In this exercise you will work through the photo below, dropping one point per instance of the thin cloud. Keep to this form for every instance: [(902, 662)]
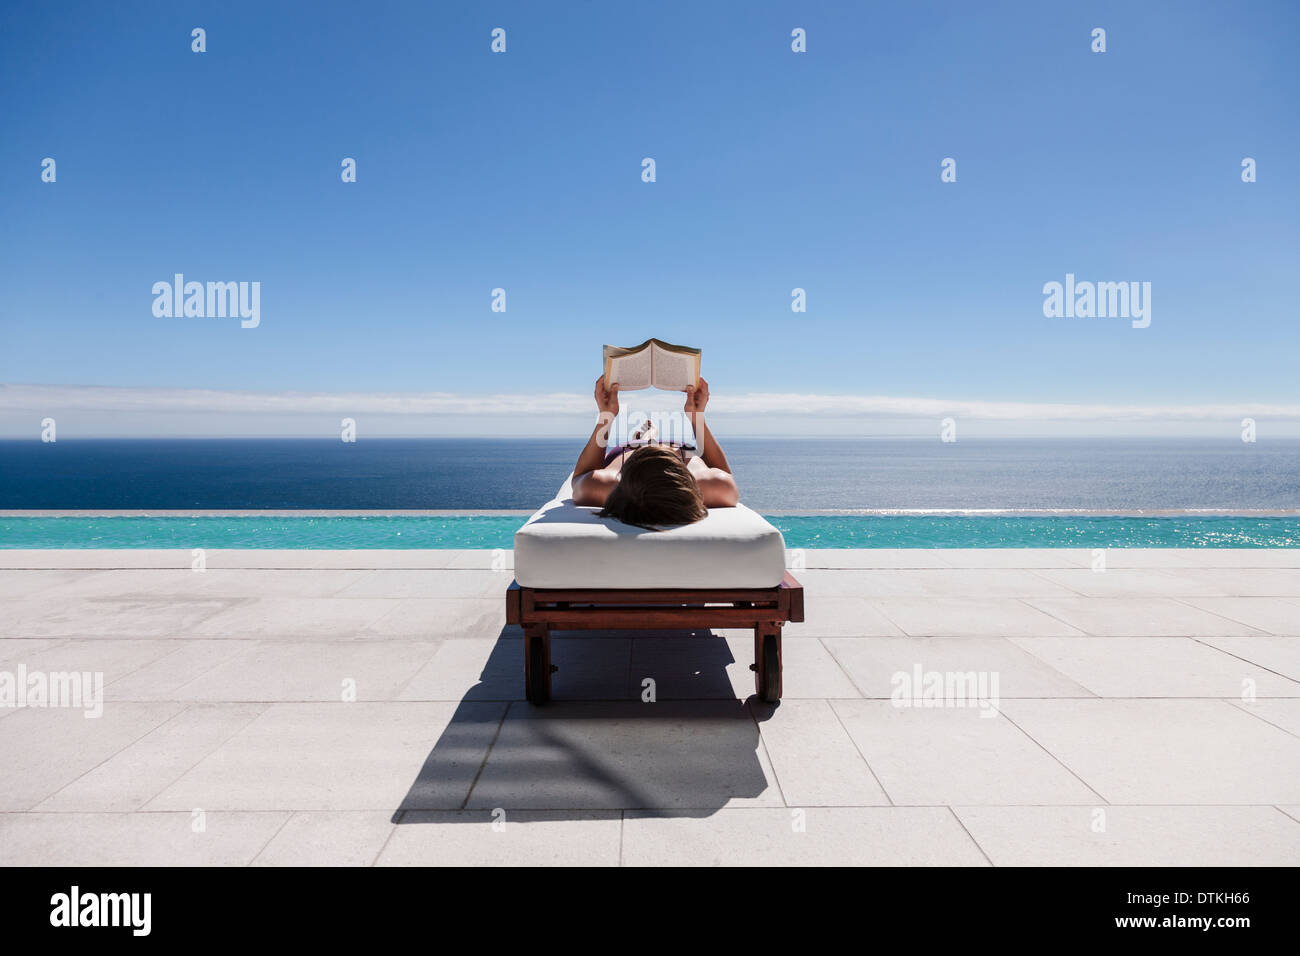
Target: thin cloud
[(45, 399)]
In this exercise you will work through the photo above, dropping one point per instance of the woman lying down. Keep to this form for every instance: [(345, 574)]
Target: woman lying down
[(654, 484)]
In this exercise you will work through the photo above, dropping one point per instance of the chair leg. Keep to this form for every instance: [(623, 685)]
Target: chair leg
[(537, 663), (767, 662)]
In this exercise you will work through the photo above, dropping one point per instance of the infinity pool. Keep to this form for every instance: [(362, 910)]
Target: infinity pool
[(490, 531)]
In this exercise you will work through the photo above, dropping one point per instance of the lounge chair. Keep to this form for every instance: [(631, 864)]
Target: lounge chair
[(577, 571)]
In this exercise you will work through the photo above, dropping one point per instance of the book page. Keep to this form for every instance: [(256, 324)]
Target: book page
[(631, 371), (675, 371)]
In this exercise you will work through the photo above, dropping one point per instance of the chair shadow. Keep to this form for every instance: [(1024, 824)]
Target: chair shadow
[(591, 516), (639, 720)]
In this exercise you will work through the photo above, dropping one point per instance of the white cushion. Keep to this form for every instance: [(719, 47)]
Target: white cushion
[(567, 546)]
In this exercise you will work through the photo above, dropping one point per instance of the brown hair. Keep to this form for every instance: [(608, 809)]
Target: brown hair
[(655, 488)]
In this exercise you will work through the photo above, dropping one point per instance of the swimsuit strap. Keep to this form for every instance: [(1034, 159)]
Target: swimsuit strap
[(617, 450)]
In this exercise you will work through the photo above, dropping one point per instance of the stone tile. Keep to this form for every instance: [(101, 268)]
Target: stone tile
[(374, 559), (20, 649), (470, 669), (1121, 582), (456, 618), (1134, 836), (113, 658), (940, 583), (949, 755), (702, 779), (1282, 713), (139, 584), (1166, 751), (1278, 654), (279, 583), (84, 558), (1154, 667), (970, 617), (408, 583), (814, 758), (135, 839), (594, 666), (156, 617), (1153, 558), (285, 671), (500, 560), (808, 670), (700, 667), (313, 619), (1015, 557), (178, 662), (864, 558), (127, 780), (686, 665), (874, 663), (1137, 617), (1246, 582), (20, 584), (848, 836), (527, 838), (1273, 615), (329, 838), (842, 617), (360, 756), (279, 558), (1239, 557), (43, 749), (698, 755)]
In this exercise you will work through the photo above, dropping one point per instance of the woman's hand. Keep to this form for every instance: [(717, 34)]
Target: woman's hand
[(697, 398), (607, 398)]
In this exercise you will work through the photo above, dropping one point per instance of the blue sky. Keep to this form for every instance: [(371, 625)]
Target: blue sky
[(775, 170)]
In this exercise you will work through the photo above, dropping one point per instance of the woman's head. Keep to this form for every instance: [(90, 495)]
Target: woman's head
[(655, 488)]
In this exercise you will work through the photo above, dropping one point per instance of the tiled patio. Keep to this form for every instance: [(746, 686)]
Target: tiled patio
[(1146, 714)]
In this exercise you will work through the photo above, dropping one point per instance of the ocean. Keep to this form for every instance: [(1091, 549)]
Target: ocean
[(776, 476)]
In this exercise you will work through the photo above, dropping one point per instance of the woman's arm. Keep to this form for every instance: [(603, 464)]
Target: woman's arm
[(591, 482), (714, 477), (696, 400)]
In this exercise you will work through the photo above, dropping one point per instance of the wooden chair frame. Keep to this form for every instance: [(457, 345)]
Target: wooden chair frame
[(542, 610)]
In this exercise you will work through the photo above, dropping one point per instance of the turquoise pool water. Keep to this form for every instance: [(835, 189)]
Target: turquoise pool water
[(801, 531)]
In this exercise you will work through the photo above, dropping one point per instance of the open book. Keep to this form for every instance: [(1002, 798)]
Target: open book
[(673, 368)]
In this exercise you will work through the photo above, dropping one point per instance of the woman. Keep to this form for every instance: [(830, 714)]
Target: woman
[(653, 485)]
